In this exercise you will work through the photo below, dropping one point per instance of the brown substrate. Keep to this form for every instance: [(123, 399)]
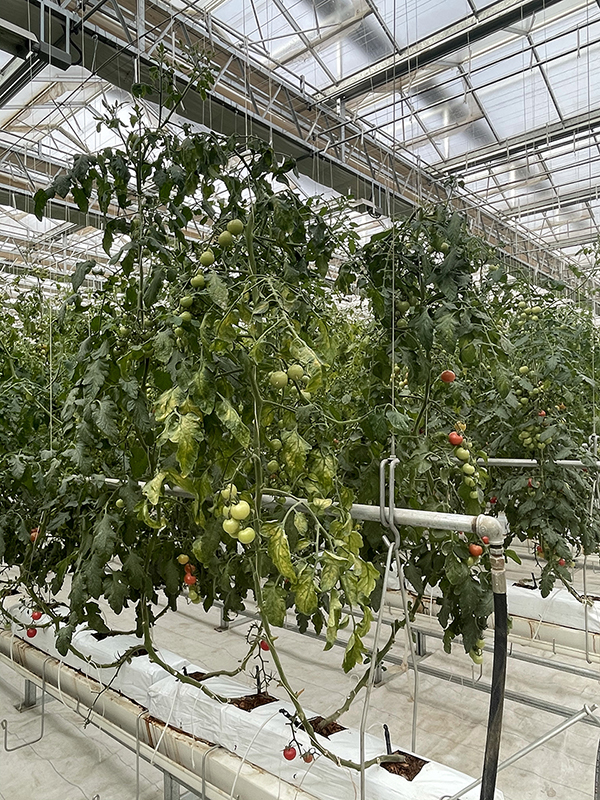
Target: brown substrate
[(251, 701), (196, 676), (409, 768), (327, 730)]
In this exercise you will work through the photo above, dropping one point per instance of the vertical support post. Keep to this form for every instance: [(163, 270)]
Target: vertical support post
[(420, 644), (29, 696), (171, 788), (224, 624)]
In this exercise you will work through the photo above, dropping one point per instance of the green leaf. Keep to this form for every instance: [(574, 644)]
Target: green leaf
[(368, 578), (456, 570), (217, 290), (104, 413), (104, 537), (300, 523), (63, 639), (81, 270), (233, 422), (203, 387), (40, 199), (274, 604), (353, 652), (81, 199), (279, 550)]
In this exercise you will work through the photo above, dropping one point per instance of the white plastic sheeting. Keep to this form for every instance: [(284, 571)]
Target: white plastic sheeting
[(258, 736)]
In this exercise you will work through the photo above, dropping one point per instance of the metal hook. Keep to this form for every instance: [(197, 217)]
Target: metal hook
[(203, 768), (4, 723)]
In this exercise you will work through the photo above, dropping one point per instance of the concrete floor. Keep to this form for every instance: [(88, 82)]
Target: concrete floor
[(73, 762)]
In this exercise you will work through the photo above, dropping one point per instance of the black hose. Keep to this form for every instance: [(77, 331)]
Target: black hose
[(494, 730)]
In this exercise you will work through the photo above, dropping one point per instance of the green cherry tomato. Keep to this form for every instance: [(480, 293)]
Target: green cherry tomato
[(198, 281), (225, 239), (120, 503), (476, 656), (235, 227), (240, 510), (187, 301), (278, 379), (207, 258), (273, 466), (462, 453), (295, 372), (276, 445), (232, 527), (186, 316), (183, 558), (468, 469), (247, 535)]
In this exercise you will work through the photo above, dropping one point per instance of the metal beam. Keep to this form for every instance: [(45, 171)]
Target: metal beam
[(438, 47)]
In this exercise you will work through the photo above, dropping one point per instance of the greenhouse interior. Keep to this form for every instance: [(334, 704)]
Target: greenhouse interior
[(299, 425)]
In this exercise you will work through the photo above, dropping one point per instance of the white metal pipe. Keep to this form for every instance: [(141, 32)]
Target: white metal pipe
[(532, 462)]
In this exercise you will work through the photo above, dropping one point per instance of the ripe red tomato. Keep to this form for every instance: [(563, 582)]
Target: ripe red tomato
[(31, 632), (455, 438), (289, 753), (264, 645), (493, 500), (447, 376), (541, 413), (539, 549), (485, 539), (475, 550), (308, 757), (189, 579), (36, 615), (189, 568), (35, 532), (530, 483), (561, 562)]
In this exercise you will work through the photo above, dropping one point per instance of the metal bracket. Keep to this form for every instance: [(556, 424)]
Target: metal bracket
[(4, 722)]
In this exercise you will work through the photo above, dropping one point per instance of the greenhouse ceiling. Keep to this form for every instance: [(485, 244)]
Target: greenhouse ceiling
[(491, 103)]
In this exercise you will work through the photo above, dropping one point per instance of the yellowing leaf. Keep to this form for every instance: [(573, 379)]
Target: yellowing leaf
[(306, 596), (294, 450), (279, 550), (153, 489), (167, 402), (333, 620), (274, 605), (233, 422)]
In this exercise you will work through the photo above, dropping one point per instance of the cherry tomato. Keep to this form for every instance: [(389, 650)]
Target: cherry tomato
[(35, 615), (561, 562), (189, 579), (475, 550), (289, 753), (35, 532), (455, 438), (485, 539), (31, 632), (448, 376), (530, 483), (541, 413), (183, 558), (308, 757), (189, 568), (264, 645), (493, 500)]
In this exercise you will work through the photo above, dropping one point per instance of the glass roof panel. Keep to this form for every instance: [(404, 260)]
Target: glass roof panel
[(413, 20)]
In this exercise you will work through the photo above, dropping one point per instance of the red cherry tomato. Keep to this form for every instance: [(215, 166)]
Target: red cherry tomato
[(308, 757), (493, 500), (31, 632), (189, 579), (539, 549), (561, 562), (189, 568), (541, 413), (485, 539), (448, 376), (36, 615), (455, 438), (475, 550), (530, 483), (264, 645), (35, 532), (289, 753)]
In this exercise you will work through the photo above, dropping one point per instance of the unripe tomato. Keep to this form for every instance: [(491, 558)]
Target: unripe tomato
[(448, 376), (247, 535), (183, 558), (475, 550), (207, 258), (476, 656), (273, 466), (186, 316), (462, 453), (231, 526), (523, 370), (455, 438), (230, 492), (225, 239), (276, 445), (278, 379), (235, 227), (187, 301), (120, 502), (240, 510), (198, 281), (468, 469), (189, 579), (295, 372)]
